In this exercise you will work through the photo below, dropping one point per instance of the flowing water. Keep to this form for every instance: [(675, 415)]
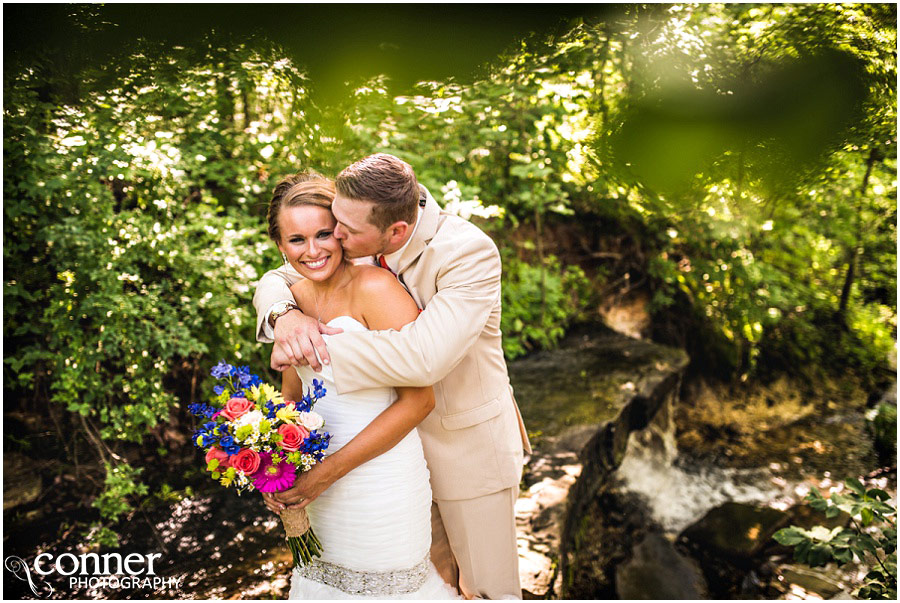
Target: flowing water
[(679, 493)]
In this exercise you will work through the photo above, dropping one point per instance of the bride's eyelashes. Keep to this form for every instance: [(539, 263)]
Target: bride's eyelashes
[(324, 235)]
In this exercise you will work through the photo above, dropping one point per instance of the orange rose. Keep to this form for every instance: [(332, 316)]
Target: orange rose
[(292, 436), (237, 407), (246, 460)]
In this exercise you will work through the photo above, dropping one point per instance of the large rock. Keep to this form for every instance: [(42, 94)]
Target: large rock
[(657, 571), (729, 542), (734, 530), (580, 403), (21, 481)]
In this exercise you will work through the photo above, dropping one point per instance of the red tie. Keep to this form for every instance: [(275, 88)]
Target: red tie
[(383, 263)]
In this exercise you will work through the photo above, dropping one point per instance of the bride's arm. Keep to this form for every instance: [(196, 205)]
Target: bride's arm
[(386, 305), (291, 385)]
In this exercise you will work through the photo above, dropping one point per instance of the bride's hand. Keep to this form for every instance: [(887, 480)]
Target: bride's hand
[(297, 339), (270, 502), (307, 488)]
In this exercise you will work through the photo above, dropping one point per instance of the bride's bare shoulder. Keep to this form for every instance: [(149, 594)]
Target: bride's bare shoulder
[(371, 280), (381, 298)]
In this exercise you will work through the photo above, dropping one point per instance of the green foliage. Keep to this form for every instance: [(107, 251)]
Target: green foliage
[(871, 539), (129, 218), (101, 535), (120, 485), (780, 249), (538, 303)]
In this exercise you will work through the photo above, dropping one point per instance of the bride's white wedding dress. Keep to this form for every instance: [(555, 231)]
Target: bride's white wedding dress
[(375, 522)]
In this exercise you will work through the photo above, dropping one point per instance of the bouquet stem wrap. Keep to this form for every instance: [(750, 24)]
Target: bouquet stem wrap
[(300, 537)]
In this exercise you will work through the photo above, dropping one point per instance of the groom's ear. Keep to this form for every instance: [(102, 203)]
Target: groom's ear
[(397, 232)]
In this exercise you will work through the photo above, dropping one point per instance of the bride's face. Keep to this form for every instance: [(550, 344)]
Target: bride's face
[(307, 240)]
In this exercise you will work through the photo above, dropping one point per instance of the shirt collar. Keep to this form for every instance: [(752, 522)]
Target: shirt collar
[(393, 259)]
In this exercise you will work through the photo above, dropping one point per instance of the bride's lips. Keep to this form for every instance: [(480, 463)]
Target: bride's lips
[(316, 264)]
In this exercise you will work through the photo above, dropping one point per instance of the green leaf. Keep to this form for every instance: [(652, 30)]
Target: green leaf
[(867, 543), (867, 516), (819, 554), (878, 494), (843, 555), (790, 536), (855, 485)]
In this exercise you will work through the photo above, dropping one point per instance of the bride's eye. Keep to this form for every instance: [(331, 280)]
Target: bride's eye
[(325, 234)]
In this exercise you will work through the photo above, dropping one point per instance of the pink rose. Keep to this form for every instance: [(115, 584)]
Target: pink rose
[(292, 436), (217, 453), (246, 460), (237, 407)]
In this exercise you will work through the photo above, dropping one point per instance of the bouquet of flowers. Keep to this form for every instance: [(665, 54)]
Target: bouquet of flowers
[(256, 440)]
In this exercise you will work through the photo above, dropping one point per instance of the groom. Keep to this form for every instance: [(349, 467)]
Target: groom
[(474, 438)]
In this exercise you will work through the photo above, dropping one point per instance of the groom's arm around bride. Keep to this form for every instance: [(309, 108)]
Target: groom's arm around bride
[(474, 438)]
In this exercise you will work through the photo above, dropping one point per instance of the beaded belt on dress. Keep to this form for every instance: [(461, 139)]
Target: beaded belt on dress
[(391, 582)]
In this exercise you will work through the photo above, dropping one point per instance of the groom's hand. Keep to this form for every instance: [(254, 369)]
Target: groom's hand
[(297, 339)]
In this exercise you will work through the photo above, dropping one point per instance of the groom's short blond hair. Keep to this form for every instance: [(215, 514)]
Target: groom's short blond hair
[(388, 182)]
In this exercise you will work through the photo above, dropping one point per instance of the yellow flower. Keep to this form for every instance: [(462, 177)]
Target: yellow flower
[(200, 440), (288, 414), (268, 392)]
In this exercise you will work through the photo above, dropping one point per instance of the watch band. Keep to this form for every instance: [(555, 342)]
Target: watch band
[(278, 313)]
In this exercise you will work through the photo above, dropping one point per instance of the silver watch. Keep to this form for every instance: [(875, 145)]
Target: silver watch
[(279, 309)]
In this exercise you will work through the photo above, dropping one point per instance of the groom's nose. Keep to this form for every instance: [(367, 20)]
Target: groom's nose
[(339, 232)]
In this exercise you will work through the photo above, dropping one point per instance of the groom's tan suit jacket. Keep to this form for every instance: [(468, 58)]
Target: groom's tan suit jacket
[(474, 439)]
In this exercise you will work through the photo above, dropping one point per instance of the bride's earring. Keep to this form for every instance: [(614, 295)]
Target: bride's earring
[(284, 259)]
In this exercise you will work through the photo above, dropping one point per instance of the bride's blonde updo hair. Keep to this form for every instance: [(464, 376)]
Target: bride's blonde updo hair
[(304, 188)]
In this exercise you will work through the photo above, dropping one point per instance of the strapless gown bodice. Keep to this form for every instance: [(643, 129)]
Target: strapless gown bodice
[(375, 522)]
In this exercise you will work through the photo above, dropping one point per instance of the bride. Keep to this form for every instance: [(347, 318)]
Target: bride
[(374, 521)]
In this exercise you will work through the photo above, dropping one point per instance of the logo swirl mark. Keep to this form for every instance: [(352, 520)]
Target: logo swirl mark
[(20, 570)]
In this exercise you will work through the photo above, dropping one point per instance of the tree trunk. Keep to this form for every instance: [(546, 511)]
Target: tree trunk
[(853, 254)]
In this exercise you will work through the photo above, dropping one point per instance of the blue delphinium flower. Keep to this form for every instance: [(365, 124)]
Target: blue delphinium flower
[(316, 444), (244, 377), (318, 390), (255, 380), (221, 370), (272, 409), (218, 389), (201, 410), (229, 445), (206, 438), (304, 404)]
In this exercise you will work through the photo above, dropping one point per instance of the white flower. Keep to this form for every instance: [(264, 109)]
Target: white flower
[(311, 420), (251, 418)]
